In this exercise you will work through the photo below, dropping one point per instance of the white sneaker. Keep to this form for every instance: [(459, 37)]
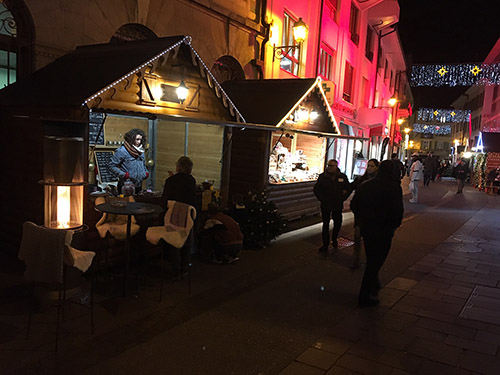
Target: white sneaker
[(412, 201)]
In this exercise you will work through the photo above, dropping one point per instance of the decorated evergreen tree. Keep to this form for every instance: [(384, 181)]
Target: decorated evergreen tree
[(260, 221), (479, 173)]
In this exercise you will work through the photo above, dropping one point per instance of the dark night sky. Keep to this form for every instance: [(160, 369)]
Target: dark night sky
[(446, 31)]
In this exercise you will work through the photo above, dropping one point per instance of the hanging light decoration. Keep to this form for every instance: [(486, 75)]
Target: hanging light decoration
[(467, 74), (443, 115)]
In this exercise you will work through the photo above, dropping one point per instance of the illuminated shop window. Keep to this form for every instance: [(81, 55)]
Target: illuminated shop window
[(296, 158)]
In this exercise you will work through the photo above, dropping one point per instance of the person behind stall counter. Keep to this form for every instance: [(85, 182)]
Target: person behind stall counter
[(128, 161)]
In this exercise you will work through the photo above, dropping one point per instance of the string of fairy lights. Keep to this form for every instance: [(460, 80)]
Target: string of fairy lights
[(432, 129), (443, 115), (467, 74)]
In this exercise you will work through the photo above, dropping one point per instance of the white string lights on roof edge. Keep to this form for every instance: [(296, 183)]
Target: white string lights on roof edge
[(467, 74), (216, 82), (186, 40), (111, 85), (443, 115)]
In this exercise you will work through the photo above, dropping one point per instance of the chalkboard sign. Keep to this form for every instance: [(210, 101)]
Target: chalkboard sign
[(103, 161), (96, 120)]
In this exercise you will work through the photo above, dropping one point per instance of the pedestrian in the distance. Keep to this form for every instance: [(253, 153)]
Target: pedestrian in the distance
[(332, 188), (429, 164), (416, 173), (371, 171), (378, 204), (460, 172)]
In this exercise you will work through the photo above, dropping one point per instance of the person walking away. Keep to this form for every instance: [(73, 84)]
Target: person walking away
[(378, 204), (128, 162), (460, 172), (416, 172), (371, 171), (428, 169), (435, 167), (180, 187), (332, 188)]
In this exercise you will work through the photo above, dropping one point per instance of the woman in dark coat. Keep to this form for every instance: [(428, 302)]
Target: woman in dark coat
[(378, 204)]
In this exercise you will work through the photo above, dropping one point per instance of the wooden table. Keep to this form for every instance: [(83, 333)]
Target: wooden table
[(131, 208)]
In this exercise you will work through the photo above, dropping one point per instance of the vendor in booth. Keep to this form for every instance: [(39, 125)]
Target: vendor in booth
[(128, 161)]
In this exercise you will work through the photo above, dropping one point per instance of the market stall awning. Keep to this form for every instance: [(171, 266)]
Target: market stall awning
[(81, 78), (290, 104)]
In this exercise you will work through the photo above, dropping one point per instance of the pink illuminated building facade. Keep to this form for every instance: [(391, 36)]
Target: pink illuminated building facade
[(354, 46)]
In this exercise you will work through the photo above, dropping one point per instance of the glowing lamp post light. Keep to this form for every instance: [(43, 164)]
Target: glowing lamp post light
[(299, 36)]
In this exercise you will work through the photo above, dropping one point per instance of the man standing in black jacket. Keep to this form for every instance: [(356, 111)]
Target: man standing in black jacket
[(332, 188), (378, 204)]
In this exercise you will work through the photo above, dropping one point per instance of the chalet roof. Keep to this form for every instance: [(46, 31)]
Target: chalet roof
[(271, 101), (81, 75)]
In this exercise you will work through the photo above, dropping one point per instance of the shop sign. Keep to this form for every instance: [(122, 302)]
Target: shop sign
[(344, 109), (329, 89)]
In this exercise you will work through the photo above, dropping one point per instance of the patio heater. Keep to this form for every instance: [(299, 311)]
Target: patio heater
[(63, 182)]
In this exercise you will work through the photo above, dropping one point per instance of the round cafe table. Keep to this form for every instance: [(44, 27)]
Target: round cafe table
[(131, 208)]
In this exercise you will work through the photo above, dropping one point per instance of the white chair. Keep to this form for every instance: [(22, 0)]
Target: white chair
[(47, 254)]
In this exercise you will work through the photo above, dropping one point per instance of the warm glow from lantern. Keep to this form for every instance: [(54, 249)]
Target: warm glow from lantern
[(392, 101), (63, 207), (299, 31), (407, 130)]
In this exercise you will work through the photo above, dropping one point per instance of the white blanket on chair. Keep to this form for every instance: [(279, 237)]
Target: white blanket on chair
[(179, 220), (116, 225)]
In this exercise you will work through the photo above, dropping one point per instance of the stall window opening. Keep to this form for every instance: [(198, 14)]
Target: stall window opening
[(295, 158)]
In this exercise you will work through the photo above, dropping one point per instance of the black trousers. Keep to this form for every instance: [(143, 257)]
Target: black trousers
[(327, 214), (427, 178), (377, 246)]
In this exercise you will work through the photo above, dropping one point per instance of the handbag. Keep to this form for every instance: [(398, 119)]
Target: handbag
[(411, 186)]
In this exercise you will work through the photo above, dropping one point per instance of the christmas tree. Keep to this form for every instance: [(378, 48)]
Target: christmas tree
[(259, 220)]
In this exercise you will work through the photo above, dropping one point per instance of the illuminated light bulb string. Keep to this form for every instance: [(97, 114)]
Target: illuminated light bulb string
[(468, 74), (186, 40), (443, 115), (432, 129)]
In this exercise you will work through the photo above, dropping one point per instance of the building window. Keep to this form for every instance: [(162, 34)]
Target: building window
[(290, 61), (353, 24), (326, 63), (365, 95), (391, 80), (348, 83), (333, 9), (386, 69), (369, 43), (15, 41)]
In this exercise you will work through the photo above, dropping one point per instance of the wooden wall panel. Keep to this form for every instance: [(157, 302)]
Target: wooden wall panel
[(170, 147), (249, 162), (205, 150), (314, 149), (116, 127)]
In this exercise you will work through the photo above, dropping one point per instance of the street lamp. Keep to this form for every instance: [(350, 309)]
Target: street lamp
[(299, 36)]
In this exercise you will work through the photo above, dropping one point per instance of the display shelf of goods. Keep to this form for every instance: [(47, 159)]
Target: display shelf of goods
[(259, 220)]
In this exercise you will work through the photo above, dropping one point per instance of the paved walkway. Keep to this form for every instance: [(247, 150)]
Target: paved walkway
[(440, 316), (288, 310)]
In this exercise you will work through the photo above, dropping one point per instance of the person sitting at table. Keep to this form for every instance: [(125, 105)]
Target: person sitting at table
[(221, 239), (180, 187), (128, 162)]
